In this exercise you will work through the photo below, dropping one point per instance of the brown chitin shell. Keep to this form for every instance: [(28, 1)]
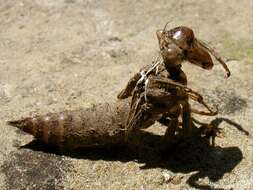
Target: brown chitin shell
[(99, 125)]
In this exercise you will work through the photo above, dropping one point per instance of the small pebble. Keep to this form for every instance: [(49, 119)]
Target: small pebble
[(176, 180), (166, 177), (171, 179)]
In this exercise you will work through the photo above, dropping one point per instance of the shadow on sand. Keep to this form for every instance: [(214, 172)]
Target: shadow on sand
[(193, 155)]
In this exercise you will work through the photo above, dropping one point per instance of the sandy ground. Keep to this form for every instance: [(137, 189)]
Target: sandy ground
[(66, 54)]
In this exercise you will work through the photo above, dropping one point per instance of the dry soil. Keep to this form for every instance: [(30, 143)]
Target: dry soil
[(67, 54)]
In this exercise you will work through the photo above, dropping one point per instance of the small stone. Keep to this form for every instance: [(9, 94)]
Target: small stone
[(176, 180), (115, 38), (167, 177), (144, 188)]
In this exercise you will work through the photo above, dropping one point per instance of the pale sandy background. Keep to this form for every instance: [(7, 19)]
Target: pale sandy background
[(65, 54)]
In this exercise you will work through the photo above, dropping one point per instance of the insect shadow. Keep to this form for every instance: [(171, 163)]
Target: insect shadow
[(192, 155)]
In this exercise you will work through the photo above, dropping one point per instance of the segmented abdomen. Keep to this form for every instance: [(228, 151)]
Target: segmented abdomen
[(98, 125)]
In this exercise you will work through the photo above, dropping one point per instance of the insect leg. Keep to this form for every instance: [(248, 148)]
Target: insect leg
[(127, 91), (186, 118)]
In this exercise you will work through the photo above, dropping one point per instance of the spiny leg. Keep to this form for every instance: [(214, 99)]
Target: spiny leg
[(208, 130), (198, 98)]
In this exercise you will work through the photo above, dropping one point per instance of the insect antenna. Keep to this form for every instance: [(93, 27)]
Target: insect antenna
[(164, 29), (165, 26)]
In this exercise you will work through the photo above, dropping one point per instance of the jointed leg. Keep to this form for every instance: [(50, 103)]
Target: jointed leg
[(198, 98), (171, 129), (208, 130), (186, 118), (127, 91)]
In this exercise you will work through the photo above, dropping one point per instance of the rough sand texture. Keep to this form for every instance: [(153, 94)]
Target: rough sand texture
[(66, 54)]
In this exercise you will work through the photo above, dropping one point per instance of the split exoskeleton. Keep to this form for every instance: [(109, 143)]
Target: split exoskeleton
[(159, 91)]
